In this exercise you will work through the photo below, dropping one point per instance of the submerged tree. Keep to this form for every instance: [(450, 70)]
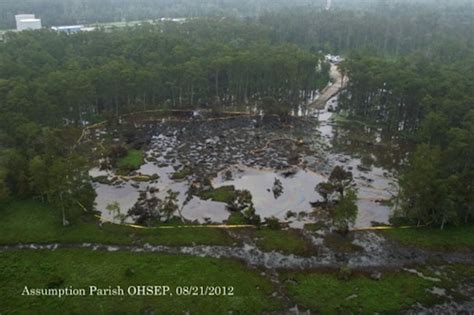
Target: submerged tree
[(340, 179), (340, 199), (114, 208), (345, 211), (250, 216), (277, 188), (325, 189), (169, 205)]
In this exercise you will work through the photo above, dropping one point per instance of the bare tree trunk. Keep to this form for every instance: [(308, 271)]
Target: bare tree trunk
[(217, 86), (116, 105), (173, 96), (65, 223)]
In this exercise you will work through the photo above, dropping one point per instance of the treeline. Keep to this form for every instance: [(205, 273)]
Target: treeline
[(390, 93), (67, 12), (50, 80), (202, 62), (382, 27), (388, 29), (433, 102), (38, 162)]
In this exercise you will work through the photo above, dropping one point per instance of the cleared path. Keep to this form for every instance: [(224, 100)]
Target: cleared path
[(332, 89)]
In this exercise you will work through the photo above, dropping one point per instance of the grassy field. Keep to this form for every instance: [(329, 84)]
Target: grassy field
[(340, 244), (452, 238), (34, 222), (132, 161), (326, 294), (321, 291), (27, 221), (285, 241), (181, 174), (222, 194), (81, 268)]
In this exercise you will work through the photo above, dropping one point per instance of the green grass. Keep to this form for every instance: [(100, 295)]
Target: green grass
[(82, 268), (236, 218), (340, 117), (181, 174), (285, 241), (222, 194), (345, 118), (341, 244), (34, 222), (326, 294), (451, 238), (313, 227), (132, 161)]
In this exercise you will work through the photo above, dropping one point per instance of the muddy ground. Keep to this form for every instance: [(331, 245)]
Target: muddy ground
[(186, 151)]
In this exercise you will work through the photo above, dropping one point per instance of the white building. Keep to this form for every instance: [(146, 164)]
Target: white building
[(20, 17), (69, 29), (27, 22), (176, 20)]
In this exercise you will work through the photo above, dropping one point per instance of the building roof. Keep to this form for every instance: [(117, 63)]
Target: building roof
[(68, 27), (30, 20)]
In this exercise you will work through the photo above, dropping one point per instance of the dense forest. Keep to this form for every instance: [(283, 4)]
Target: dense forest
[(50, 81), (203, 62), (410, 70), (430, 101), (411, 73), (53, 12), (388, 30)]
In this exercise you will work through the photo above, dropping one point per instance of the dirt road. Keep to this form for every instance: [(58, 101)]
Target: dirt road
[(332, 89)]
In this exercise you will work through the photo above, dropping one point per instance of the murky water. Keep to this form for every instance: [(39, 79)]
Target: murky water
[(127, 194), (374, 183), (298, 191)]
